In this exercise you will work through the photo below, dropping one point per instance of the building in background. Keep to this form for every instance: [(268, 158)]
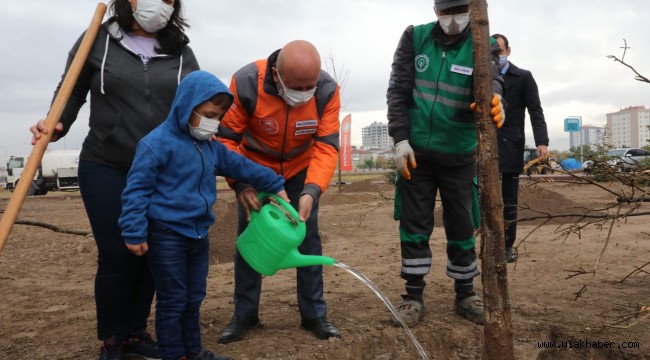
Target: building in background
[(628, 127), (588, 135), (376, 136)]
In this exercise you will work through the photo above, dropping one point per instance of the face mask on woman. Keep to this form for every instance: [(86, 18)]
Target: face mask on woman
[(295, 98), (152, 15), (207, 127), (453, 24)]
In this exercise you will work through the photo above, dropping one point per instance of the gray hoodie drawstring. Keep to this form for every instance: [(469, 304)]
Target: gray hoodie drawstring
[(104, 63)]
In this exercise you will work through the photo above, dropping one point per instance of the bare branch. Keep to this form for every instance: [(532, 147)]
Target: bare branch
[(638, 76)]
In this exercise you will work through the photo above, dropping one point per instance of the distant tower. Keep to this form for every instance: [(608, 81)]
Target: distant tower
[(591, 135), (376, 136)]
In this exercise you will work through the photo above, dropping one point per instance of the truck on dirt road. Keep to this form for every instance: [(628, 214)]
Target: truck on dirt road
[(57, 171)]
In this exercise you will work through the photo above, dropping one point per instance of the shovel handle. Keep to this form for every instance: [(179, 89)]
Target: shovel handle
[(62, 97)]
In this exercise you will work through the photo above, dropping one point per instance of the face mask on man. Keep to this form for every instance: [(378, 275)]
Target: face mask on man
[(207, 127), (295, 98), (453, 24), (153, 15), (503, 60)]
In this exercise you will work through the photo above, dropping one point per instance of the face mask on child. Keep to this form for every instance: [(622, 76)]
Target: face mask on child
[(152, 15), (207, 127)]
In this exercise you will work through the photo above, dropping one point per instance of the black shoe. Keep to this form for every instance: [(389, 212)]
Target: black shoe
[(206, 355), (321, 327), (237, 328), (142, 344), (111, 349), (511, 254)]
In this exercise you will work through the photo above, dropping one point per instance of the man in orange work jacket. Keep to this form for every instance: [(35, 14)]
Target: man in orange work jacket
[(285, 116)]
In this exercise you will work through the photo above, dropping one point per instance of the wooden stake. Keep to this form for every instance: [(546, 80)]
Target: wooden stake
[(18, 197), (497, 339)]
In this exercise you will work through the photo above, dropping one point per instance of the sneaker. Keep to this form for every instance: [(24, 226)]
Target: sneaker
[(470, 307), (111, 349), (142, 344), (511, 255), (206, 355), (410, 311)]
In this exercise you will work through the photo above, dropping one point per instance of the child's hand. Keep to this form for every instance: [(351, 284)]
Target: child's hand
[(139, 249), (248, 199)]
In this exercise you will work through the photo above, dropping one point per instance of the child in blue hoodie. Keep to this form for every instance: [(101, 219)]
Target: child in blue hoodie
[(167, 206)]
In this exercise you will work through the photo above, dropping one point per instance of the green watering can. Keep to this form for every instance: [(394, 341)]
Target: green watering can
[(271, 240)]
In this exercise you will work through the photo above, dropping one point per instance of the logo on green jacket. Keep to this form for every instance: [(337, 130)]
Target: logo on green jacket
[(421, 62)]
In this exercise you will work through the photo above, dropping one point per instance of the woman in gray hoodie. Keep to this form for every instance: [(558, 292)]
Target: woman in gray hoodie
[(132, 72)]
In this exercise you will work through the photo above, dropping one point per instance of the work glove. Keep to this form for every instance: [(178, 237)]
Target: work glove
[(497, 112), (404, 152)]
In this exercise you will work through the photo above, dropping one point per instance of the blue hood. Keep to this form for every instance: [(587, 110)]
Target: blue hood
[(173, 180), (196, 88)]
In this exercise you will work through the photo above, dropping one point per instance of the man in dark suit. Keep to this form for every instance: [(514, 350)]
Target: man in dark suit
[(521, 94)]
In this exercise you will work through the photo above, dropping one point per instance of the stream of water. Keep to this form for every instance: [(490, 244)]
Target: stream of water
[(384, 299)]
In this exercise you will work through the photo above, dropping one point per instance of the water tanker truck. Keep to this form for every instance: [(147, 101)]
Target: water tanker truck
[(57, 171)]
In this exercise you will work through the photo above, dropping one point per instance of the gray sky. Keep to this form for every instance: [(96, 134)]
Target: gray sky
[(564, 43)]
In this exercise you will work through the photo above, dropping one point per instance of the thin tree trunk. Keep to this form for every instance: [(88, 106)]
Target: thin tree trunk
[(497, 339)]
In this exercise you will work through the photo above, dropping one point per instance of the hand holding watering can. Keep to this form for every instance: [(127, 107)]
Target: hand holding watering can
[(271, 240)]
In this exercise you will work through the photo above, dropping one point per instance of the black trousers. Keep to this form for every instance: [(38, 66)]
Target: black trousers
[(414, 206), (124, 287), (309, 279), (510, 194)]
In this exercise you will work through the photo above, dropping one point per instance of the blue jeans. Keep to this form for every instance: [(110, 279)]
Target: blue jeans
[(180, 268), (123, 284)]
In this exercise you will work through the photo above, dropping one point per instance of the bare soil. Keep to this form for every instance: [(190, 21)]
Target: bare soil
[(47, 307)]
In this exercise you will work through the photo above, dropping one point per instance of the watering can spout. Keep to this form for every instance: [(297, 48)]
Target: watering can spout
[(296, 259)]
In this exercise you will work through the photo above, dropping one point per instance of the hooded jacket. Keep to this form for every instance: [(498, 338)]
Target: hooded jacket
[(173, 177), (127, 98)]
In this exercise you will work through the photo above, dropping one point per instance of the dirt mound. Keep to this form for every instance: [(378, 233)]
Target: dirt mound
[(534, 201)]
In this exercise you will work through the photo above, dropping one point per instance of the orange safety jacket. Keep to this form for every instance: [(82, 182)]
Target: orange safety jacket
[(263, 128)]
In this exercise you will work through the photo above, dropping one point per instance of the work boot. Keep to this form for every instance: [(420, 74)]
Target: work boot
[(410, 311), (470, 307)]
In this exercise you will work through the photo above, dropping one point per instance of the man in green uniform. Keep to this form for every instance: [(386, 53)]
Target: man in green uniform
[(429, 118)]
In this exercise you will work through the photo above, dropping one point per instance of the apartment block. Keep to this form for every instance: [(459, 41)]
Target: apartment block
[(376, 136), (628, 127)]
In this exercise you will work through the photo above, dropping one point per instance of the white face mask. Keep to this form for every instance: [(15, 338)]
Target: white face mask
[(295, 98), (453, 24), (153, 15), (207, 127)]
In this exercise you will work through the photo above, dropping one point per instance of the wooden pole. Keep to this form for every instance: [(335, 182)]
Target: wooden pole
[(62, 97), (497, 339)]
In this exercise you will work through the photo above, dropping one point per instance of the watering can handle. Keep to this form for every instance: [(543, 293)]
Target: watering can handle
[(292, 211)]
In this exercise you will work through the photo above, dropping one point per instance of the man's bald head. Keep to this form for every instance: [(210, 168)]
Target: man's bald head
[(299, 65)]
